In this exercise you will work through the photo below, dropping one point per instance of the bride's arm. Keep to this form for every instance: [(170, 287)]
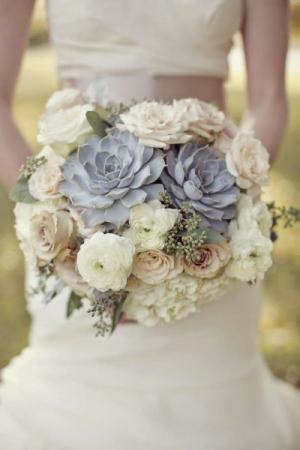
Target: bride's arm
[(14, 23), (265, 34)]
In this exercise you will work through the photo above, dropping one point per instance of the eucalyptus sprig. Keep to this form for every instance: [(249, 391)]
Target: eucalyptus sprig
[(107, 308), (287, 216)]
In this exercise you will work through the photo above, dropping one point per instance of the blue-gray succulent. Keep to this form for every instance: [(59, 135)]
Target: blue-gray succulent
[(108, 176), (198, 175)]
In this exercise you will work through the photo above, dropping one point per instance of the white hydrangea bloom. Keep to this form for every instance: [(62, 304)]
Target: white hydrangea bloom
[(164, 302), (250, 241)]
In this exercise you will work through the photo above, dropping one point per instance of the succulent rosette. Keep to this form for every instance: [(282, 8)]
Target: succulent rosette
[(108, 176), (198, 175), (145, 210)]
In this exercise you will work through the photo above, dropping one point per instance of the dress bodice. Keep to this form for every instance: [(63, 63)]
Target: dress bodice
[(134, 37)]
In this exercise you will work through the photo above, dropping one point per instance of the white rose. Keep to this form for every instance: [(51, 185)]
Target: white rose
[(155, 124), (154, 266), (105, 260), (248, 161), (65, 129), (44, 183), (149, 223), (204, 119), (51, 233), (64, 98)]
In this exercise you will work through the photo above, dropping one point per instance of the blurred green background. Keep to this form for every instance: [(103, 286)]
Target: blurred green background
[(280, 323)]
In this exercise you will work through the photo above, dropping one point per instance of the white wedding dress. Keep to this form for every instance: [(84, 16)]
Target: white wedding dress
[(196, 384)]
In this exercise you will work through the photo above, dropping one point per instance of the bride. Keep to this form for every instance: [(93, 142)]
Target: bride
[(197, 384)]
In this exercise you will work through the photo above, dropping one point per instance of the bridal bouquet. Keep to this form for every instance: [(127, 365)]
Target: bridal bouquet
[(147, 210)]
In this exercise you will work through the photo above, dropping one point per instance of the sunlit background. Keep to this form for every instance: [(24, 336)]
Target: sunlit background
[(280, 324)]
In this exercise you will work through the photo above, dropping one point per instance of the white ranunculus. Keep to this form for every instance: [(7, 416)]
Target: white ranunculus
[(155, 124), (50, 234), (204, 119), (149, 223), (170, 300), (65, 128), (44, 183), (248, 161), (105, 260), (64, 98), (155, 266)]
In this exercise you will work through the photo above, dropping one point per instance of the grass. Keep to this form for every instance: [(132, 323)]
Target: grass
[(280, 323)]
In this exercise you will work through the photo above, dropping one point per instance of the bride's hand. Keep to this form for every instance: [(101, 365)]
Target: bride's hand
[(14, 16), (124, 320)]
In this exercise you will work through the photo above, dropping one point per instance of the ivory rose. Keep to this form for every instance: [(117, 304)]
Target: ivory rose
[(65, 268), (154, 266), (155, 124), (248, 161), (211, 260), (51, 232), (105, 260), (203, 119), (66, 128), (44, 183)]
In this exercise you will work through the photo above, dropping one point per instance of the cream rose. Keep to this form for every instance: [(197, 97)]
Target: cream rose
[(148, 225), (65, 129), (105, 260), (224, 139), (155, 124), (65, 269), (248, 161), (211, 260), (154, 266), (203, 119), (44, 183), (51, 233)]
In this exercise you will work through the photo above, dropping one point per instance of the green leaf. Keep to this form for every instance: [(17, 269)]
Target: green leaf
[(20, 193), (96, 123), (213, 237), (117, 315), (103, 114), (74, 303)]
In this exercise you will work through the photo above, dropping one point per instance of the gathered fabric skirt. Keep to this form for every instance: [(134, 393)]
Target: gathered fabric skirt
[(196, 384)]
